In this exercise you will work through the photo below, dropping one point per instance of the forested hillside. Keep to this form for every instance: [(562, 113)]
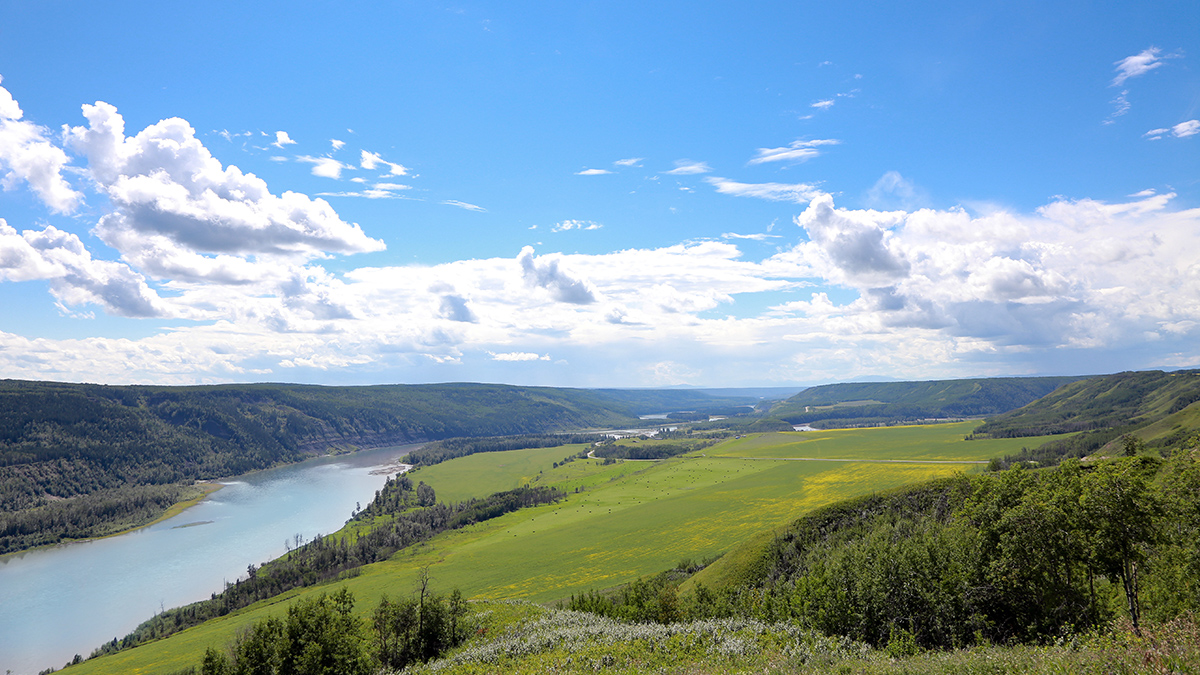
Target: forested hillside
[(859, 403), (1152, 408), (120, 446)]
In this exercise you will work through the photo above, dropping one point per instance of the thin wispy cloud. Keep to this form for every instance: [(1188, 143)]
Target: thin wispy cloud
[(824, 104), (758, 236), (337, 145), (796, 151), (1138, 64), (325, 167), (1181, 130), (464, 205), (593, 172), (575, 225), (372, 160), (518, 356), (686, 167), (631, 161), (797, 193)]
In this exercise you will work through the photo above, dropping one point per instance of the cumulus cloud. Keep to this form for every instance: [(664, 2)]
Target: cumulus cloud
[(455, 308), (173, 203), (282, 139), (1138, 64), (798, 193), (26, 156), (544, 271), (686, 167), (75, 277), (796, 151), (575, 225), (1181, 130)]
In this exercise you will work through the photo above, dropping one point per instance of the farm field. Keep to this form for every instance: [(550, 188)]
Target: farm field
[(933, 442), (633, 519)]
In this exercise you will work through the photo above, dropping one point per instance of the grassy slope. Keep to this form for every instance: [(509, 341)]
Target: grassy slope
[(638, 518)]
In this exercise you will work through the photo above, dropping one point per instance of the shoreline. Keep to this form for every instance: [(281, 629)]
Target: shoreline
[(206, 489)]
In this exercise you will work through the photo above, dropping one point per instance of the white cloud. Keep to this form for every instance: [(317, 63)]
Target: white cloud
[(1181, 130), (631, 161), (464, 205), (518, 356), (27, 156), (371, 160), (686, 167), (544, 271), (926, 292), (825, 104), (325, 167), (798, 193), (592, 172), (796, 151), (759, 236), (282, 139), (1121, 106), (575, 225), (75, 277), (1138, 64), (337, 145), (894, 191), (174, 206)]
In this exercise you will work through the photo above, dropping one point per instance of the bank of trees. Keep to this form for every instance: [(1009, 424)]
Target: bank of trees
[(322, 636)]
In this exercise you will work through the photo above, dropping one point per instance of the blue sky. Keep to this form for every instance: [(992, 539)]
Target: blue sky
[(597, 194)]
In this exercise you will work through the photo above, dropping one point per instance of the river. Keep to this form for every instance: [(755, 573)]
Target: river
[(66, 600)]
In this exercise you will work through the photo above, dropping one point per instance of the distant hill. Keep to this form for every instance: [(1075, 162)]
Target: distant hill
[(854, 403), (80, 460), (1156, 407)]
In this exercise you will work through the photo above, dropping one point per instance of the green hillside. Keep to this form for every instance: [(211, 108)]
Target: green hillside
[(81, 460), (1160, 409), (859, 403)]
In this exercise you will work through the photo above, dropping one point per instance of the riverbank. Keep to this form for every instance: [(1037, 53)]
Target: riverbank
[(197, 492)]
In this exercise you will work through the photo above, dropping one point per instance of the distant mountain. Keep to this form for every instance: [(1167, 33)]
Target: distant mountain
[(854, 403)]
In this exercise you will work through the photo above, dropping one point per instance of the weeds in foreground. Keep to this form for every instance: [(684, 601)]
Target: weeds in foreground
[(516, 637)]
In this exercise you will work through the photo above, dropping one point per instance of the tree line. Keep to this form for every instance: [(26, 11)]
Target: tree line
[(453, 448)]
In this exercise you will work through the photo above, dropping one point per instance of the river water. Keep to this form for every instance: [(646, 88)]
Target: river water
[(67, 600)]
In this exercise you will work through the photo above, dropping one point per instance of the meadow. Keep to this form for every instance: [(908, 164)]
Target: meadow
[(627, 519)]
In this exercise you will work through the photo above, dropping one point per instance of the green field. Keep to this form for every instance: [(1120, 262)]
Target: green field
[(631, 518), (938, 442)]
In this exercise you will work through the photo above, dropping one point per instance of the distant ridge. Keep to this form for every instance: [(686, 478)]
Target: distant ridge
[(861, 403)]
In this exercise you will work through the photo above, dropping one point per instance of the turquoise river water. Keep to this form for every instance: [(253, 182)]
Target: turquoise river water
[(66, 600)]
